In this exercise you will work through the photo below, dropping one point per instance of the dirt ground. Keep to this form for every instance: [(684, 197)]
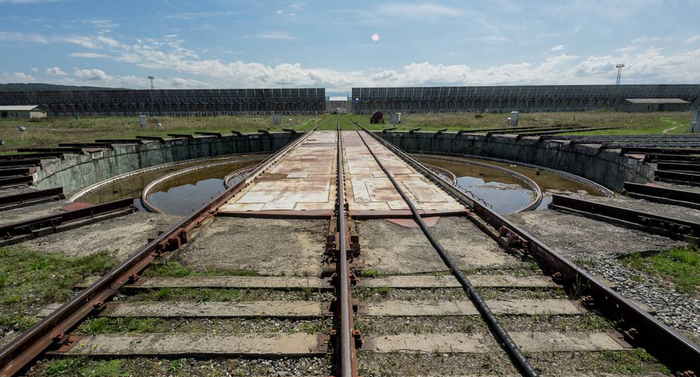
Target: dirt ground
[(25, 213), (571, 235), (267, 246), (390, 248), (120, 235)]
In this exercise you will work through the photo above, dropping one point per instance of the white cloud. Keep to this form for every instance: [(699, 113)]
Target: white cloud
[(558, 48), (88, 55), (18, 77), (417, 11), (34, 69), (108, 41), (22, 37), (103, 24), (647, 40), (55, 71), (90, 74), (276, 35), (628, 49), (692, 39), (87, 42)]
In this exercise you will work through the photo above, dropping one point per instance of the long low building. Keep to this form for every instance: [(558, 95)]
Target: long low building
[(498, 99), (173, 102)]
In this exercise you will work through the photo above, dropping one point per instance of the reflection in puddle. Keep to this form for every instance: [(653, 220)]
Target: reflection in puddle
[(184, 193), (131, 187), (505, 193)]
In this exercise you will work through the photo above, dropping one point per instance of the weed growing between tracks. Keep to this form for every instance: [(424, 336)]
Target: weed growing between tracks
[(30, 280), (177, 270), (130, 325), (679, 266)]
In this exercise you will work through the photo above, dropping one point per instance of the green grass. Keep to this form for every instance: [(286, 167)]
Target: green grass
[(369, 273), (30, 280), (176, 270), (126, 325), (49, 132), (641, 123), (84, 367), (637, 361), (678, 266)]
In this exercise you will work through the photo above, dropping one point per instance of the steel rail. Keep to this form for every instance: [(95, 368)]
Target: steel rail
[(513, 350), (51, 221), (664, 195), (678, 166), (347, 348), (649, 222), (644, 328), (691, 178), (53, 328), (24, 197)]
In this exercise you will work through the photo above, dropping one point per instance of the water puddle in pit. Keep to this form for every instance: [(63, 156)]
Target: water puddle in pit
[(183, 193), (131, 187), (505, 193)]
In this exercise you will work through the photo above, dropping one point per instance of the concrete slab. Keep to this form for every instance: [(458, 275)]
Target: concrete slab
[(256, 309), (426, 281), (292, 282), (274, 247), (464, 308), (190, 345), (477, 343), (309, 309), (393, 249), (369, 189), (303, 179), (244, 282)]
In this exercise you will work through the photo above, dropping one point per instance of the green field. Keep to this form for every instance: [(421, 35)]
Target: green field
[(51, 131), (647, 123)]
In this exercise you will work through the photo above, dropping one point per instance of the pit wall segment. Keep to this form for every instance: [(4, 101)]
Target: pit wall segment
[(606, 167), (76, 171)]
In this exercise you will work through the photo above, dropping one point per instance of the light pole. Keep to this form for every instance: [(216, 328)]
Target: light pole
[(153, 85), (619, 72)]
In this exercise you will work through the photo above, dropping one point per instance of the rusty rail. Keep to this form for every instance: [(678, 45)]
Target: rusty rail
[(641, 327), (53, 329), (347, 362), (24, 197), (58, 219), (649, 222), (664, 195)]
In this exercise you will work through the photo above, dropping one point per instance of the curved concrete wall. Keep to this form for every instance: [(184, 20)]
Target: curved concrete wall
[(605, 167), (76, 171)]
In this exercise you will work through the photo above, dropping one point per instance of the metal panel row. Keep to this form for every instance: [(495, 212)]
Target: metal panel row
[(173, 102), (509, 98)]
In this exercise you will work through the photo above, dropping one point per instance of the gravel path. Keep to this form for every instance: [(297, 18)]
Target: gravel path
[(674, 308)]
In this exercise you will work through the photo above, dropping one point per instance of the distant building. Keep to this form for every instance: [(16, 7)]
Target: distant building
[(650, 105), (22, 112), (337, 105)]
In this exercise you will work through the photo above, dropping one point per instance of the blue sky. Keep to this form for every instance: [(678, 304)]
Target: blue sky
[(236, 44)]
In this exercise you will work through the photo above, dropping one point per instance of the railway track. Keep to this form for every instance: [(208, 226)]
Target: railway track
[(332, 288)]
